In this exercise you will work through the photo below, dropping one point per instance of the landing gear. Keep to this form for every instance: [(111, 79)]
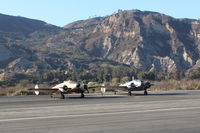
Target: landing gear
[(62, 96), (82, 95), (51, 95), (145, 92), (129, 93)]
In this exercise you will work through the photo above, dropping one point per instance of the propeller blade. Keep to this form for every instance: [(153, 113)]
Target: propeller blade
[(86, 88)]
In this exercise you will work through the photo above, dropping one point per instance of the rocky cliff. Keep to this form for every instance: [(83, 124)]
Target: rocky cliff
[(146, 40)]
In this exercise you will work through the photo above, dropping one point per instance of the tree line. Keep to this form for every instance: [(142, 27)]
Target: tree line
[(101, 75)]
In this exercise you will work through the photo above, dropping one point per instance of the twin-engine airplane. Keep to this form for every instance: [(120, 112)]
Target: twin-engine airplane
[(66, 87), (134, 85)]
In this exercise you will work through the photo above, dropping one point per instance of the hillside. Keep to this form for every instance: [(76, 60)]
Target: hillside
[(148, 41)]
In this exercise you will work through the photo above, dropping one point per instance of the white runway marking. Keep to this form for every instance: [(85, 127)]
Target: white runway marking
[(99, 114)]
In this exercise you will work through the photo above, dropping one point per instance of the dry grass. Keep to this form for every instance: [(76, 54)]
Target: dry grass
[(17, 90), (183, 84)]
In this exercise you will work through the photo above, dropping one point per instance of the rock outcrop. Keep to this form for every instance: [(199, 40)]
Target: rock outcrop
[(146, 40)]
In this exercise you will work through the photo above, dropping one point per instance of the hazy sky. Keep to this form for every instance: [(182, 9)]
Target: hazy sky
[(62, 12)]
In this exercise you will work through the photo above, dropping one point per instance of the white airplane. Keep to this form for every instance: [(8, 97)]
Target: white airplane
[(65, 87), (134, 85)]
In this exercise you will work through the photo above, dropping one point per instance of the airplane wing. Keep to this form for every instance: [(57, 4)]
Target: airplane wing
[(92, 87), (44, 90), (116, 87), (113, 88)]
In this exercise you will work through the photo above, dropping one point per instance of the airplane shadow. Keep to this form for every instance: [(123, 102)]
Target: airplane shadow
[(97, 97), (125, 95), (115, 96)]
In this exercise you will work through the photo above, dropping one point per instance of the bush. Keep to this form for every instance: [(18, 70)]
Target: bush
[(194, 74), (146, 75), (125, 79)]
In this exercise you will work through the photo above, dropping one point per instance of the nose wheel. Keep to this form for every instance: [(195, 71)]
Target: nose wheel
[(62, 96)]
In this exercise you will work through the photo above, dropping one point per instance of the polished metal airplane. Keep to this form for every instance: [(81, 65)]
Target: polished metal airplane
[(66, 87), (134, 85)]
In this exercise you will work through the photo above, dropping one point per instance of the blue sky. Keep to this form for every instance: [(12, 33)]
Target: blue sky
[(62, 12)]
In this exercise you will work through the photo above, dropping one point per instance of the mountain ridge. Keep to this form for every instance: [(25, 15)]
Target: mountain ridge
[(148, 41)]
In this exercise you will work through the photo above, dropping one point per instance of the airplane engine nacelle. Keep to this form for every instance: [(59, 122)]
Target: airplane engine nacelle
[(78, 85), (132, 85), (137, 83), (63, 89)]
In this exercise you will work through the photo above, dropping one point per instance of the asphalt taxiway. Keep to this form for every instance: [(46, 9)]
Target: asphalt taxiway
[(160, 111)]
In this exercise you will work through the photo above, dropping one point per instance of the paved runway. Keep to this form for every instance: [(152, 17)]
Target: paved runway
[(166, 112)]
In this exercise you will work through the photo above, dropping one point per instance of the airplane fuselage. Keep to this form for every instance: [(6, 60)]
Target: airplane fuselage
[(70, 86), (136, 85)]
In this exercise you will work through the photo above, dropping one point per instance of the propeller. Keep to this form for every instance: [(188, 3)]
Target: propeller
[(132, 85), (65, 87), (86, 88), (78, 85)]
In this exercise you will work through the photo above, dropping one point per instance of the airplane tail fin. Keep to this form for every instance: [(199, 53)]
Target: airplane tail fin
[(103, 90), (37, 87)]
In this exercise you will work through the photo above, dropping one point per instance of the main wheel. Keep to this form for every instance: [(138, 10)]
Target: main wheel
[(129, 93)]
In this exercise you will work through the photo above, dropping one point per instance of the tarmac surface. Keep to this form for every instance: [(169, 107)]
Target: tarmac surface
[(158, 112)]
